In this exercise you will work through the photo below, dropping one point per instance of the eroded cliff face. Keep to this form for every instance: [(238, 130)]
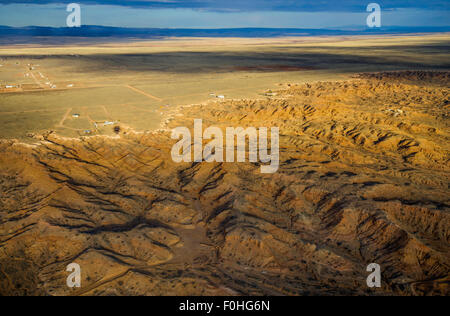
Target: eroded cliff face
[(364, 177)]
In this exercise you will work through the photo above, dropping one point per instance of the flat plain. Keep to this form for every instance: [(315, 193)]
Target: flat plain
[(75, 88)]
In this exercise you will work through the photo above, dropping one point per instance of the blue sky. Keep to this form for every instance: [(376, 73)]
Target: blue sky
[(226, 13)]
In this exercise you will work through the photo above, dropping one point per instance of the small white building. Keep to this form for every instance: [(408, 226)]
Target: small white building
[(221, 96), (76, 115)]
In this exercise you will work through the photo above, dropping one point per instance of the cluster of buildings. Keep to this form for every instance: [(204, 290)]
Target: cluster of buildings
[(96, 124), (9, 86), (220, 96)]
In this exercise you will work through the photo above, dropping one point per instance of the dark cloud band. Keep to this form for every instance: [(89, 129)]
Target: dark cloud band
[(257, 5)]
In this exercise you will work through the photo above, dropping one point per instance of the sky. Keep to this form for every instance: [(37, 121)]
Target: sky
[(226, 13)]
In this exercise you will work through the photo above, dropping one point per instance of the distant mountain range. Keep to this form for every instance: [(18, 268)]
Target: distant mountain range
[(105, 31)]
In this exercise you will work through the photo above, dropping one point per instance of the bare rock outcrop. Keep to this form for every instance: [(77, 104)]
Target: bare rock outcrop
[(364, 177)]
